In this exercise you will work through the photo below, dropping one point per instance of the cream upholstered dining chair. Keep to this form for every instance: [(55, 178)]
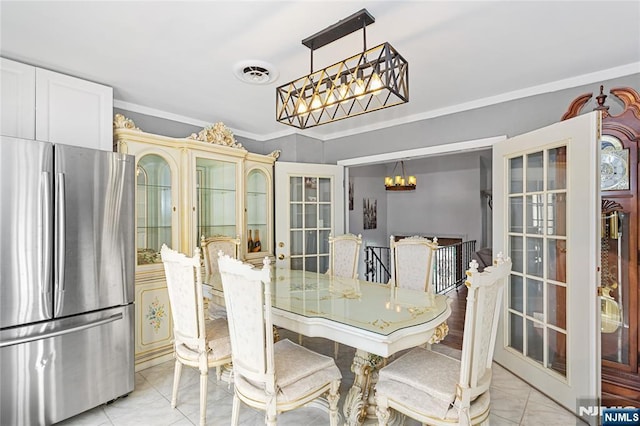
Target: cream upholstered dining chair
[(210, 247), (198, 342), (273, 377), (413, 259), (436, 389), (344, 251)]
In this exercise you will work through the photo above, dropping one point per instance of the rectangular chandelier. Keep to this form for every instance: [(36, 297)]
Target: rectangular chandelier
[(375, 79)]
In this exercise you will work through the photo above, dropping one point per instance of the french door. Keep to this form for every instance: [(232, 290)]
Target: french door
[(546, 218), (309, 207)]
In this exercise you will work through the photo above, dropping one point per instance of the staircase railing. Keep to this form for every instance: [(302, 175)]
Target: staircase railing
[(377, 264), (450, 264)]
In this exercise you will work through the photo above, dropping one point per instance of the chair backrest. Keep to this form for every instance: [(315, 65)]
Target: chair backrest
[(184, 284), (212, 245), (344, 253), (413, 259), (484, 299), (247, 296)]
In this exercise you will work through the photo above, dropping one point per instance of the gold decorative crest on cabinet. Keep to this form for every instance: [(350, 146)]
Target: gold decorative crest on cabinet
[(218, 134), (122, 122)]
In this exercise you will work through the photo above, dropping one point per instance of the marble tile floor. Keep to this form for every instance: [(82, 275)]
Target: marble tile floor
[(513, 402)]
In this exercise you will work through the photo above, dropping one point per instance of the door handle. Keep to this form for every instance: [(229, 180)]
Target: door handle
[(281, 256)]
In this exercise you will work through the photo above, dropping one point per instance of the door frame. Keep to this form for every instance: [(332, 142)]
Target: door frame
[(413, 154)]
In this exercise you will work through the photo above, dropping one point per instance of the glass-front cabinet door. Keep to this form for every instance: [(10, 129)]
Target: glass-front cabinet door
[(155, 208), (216, 198), (257, 214)]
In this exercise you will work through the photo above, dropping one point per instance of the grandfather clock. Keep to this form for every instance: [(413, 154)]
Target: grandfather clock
[(619, 183)]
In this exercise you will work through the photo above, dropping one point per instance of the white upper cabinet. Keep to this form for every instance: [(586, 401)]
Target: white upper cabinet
[(18, 99), (73, 111), (54, 107)]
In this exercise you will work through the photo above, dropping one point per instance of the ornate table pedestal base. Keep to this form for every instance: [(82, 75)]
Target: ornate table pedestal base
[(359, 404)]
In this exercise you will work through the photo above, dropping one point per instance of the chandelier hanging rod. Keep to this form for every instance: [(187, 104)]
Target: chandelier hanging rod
[(338, 30), (346, 26)]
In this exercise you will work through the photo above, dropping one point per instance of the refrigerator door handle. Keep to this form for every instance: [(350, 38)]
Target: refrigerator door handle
[(45, 240), (60, 239), (54, 333)]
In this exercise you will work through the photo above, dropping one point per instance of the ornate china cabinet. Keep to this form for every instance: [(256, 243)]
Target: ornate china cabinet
[(620, 257), (204, 185)]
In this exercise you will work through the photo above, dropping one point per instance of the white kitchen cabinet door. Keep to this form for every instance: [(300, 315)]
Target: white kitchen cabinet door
[(72, 111), (17, 99)]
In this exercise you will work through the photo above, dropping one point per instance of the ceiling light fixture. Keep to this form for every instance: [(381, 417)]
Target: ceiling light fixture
[(374, 79), (400, 182)]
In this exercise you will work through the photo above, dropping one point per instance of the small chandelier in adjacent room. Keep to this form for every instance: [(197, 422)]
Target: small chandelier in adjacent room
[(400, 182), (374, 79)]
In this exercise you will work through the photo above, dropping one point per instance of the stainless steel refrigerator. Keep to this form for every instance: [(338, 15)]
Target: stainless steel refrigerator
[(66, 280)]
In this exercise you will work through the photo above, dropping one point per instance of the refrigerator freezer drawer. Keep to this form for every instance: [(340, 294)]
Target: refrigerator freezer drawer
[(55, 370)]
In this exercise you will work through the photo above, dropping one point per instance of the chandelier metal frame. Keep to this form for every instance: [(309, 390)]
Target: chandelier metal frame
[(369, 81)]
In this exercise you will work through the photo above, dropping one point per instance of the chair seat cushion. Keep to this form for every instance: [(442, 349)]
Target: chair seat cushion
[(298, 371), (294, 362), (217, 340), (218, 337), (422, 370), (418, 404)]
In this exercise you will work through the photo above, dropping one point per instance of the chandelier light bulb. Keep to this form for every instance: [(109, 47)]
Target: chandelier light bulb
[(316, 103), (376, 84), (301, 108)]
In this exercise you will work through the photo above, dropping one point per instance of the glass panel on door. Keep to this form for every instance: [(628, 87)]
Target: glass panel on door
[(216, 195), (310, 222), (537, 238), (153, 208)]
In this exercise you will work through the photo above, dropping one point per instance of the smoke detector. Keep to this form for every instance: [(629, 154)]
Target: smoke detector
[(255, 72)]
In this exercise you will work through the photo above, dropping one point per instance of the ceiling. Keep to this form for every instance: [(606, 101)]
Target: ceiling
[(176, 59)]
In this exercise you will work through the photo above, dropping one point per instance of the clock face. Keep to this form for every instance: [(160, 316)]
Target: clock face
[(614, 170), (610, 143)]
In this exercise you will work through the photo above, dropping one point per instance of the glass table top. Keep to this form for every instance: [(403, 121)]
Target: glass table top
[(373, 307)]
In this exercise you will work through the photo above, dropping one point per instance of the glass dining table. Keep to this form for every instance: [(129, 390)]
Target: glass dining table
[(374, 318)]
